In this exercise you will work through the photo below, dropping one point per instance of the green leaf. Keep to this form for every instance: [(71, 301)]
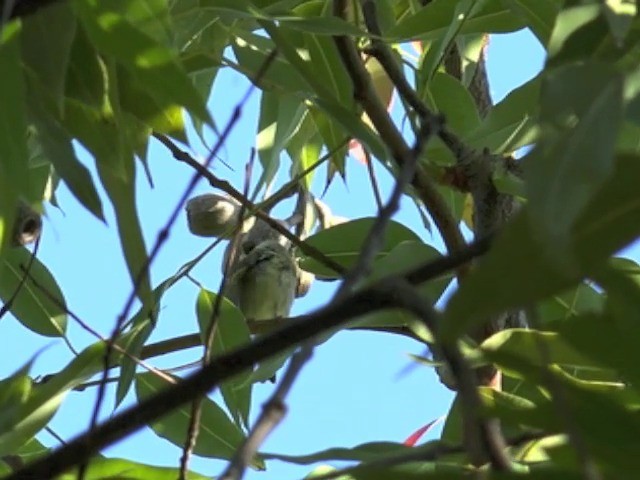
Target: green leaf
[(517, 272), (231, 331), (57, 147), (33, 308), (455, 102), (45, 397), (620, 16), (565, 170), (362, 453), (304, 148), (116, 468), (280, 115), (539, 348), (582, 299), (510, 123), (14, 392), (343, 243), (47, 39), (433, 21), (14, 177), (150, 62), (539, 16), (252, 51), (86, 78), (401, 258), (219, 437), (114, 160)]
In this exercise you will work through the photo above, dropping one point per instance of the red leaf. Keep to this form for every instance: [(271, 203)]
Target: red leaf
[(415, 436)]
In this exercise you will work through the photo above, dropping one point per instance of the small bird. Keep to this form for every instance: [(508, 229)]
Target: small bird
[(263, 283)]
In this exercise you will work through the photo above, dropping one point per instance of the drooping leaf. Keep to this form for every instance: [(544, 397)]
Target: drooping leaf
[(47, 38), (584, 104), (231, 331), (219, 437), (433, 20), (32, 307), (14, 177), (343, 242), (153, 64), (517, 271), (539, 15), (117, 468)]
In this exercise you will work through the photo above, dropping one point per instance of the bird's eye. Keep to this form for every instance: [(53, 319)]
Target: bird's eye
[(247, 247)]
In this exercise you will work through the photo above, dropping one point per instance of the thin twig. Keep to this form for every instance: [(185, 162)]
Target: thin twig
[(225, 366), (273, 411), (162, 237)]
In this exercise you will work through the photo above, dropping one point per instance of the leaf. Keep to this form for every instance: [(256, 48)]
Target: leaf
[(455, 102), (540, 15), (509, 124), (231, 331), (47, 39), (280, 115), (120, 469), (45, 397), (14, 177), (85, 78), (432, 21), (343, 243), (252, 52), (58, 149), (14, 392), (150, 62), (161, 117), (620, 16), (33, 308), (539, 348), (113, 150), (564, 171), (362, 453), (516, 272), (219, 437), (400, 259)]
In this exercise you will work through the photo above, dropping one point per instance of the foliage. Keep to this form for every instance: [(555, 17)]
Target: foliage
[(109, 75)]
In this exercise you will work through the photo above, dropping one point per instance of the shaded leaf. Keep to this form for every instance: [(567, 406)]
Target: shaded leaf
[(433, 20), (150, 62), (47, 39), (231, 331), (33, 308), (343, 243), (116, 468), (584, 104), (219, 437)]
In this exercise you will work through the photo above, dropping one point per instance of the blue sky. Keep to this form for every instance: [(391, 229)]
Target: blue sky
[(351, 392)]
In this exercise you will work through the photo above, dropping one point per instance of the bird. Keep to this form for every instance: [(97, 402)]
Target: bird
[(263, 282)]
